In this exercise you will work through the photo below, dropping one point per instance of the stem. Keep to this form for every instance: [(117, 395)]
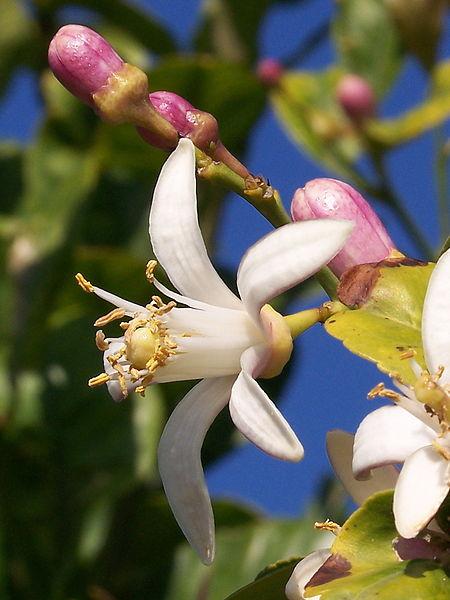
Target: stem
[(328, 281), (442, 154), (303, 320)]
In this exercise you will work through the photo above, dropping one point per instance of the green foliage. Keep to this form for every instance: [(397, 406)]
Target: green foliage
[(365, 565), (388, 324), (357, 34)]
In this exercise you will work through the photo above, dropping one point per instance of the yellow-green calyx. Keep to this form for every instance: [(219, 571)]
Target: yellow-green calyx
[(124, 99)]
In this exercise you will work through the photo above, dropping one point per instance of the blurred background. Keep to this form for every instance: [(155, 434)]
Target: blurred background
[(81, 507)]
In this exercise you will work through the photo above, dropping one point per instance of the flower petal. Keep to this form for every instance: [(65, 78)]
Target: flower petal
[(436, 319), (303, 572), (340, 448), (286, 257), (175, 234), (180, 465), (386, 436), (422, 486), (256, 416)]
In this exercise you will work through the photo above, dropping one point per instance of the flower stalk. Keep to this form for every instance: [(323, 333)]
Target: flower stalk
[(299, 322)]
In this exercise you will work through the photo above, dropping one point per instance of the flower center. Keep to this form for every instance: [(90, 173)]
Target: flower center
[(141, 347)]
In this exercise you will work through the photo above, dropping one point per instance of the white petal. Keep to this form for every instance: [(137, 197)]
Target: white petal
[(422, 486), (303, 572), (257, 417), (340, 449), (387, 436), (175, 234), (286, 257), (180, 464), (185, 300), (129, 307), (436, 319)]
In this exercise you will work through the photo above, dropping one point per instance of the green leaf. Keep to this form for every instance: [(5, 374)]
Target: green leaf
[(389, 322), (270, 586), (431, 113), (306, 106), (364, 564), (357, 30)]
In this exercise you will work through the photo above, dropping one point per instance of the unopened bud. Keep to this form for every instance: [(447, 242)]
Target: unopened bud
[(357, 98), (87, 65), (199, 126), (269, 71), (82, 60), (332, 199)]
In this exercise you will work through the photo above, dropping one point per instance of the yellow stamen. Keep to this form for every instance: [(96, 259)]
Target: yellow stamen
[(117, 313), (150, 268), (100, 341), (328, 526), (99, 380), (84, 283), (408, 354), (380, 391)]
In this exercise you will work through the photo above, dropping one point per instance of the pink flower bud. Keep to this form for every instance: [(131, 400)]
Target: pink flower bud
[(356, 97), (269, 71), (82, 60), (332, 199)]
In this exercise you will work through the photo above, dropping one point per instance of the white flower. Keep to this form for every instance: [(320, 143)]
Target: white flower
[(415, 431), (224, 340), (339, 448)]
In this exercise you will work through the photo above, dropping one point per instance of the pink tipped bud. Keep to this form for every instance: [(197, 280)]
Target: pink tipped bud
[(356, 97), (332, 199), (269, 71), (82, 60)]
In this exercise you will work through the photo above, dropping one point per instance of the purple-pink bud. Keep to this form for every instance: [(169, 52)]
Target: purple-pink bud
[(82, 60), (357, 98), (332, 199), (269, 71)]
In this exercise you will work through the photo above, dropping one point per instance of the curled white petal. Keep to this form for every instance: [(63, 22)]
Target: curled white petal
[(303, 572), (340, 449), (422, 486), (180, 466), (175, 234), (257, 417), (287, 256), (386, 436), (436, 319)]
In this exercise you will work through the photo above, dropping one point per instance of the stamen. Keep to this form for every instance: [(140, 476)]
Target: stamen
[(380, 391), (408, 354), (100, 341), (99, 380), (116, 313), (151, 266), (328, 525), (84, 283)]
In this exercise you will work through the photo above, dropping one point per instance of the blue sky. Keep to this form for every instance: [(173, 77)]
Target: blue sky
[(329, 387)]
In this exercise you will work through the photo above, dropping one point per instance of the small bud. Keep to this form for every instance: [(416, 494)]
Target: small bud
[(269, 72), (82, 60), (356, 97), (332, 199), (87, 65), (199, 126)]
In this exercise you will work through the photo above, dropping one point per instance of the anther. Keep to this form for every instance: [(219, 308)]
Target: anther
[(150, 268), (100, 341), (99, 380), (84, 283), (328, 525), (117, 313)]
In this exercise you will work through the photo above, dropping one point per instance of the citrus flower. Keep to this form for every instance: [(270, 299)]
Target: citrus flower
[(416, 431), (339, 449), (224, 340)]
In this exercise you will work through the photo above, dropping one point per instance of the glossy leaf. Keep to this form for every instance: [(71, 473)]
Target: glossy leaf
[(365, 565), (383, 329)]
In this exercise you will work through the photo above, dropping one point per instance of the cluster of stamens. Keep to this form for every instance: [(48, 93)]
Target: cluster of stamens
[(147, 344)]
